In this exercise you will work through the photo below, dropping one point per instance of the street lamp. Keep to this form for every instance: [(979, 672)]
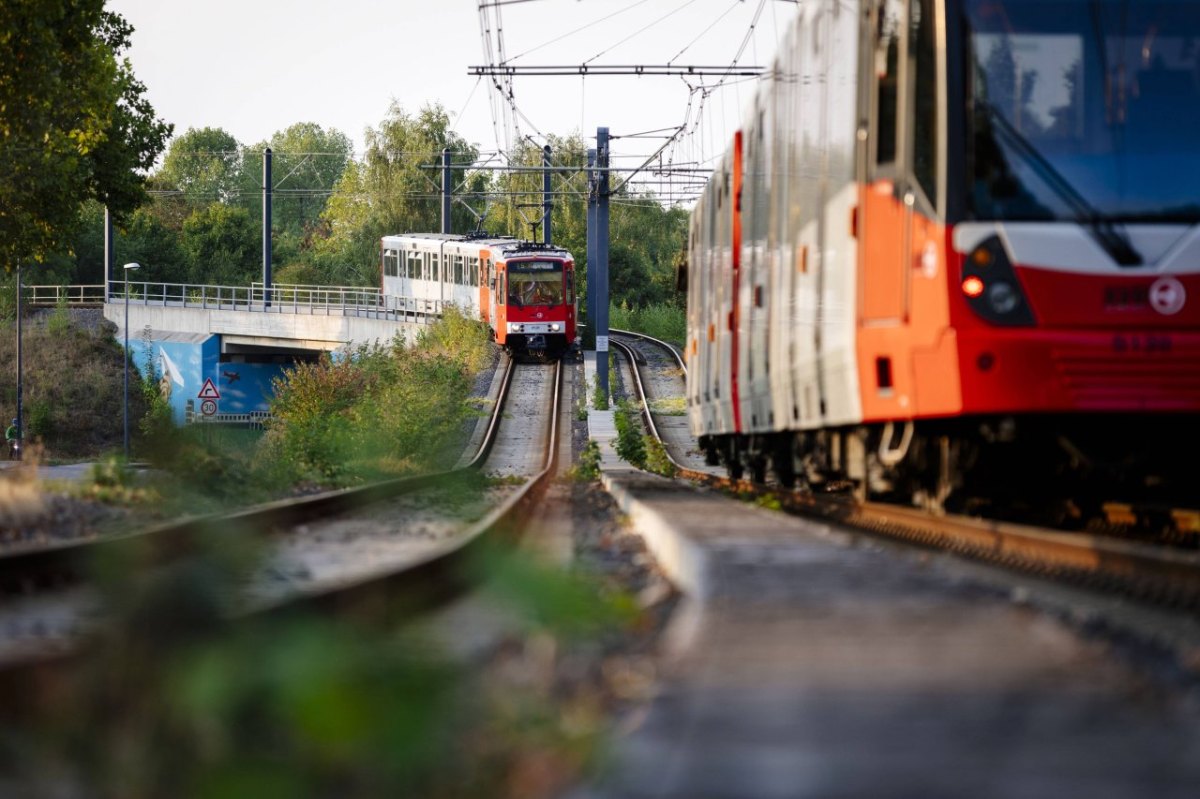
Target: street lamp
[(125, 395)]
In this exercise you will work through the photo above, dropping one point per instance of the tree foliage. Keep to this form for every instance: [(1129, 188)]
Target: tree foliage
[(74, 123), (388, 191), (221, 246), (204, 165)]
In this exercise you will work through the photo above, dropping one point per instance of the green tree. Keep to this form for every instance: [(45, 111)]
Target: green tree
[(74, 123), (390, 192), (205, 165), (307, 162), (222, 246)]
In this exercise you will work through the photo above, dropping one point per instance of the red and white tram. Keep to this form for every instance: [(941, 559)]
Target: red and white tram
[(955, 250), (525, 291)]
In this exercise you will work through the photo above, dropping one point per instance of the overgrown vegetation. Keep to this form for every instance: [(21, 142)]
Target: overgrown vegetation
[(666, 321), (72, 385), (657, 460), (587, 467), (630, 445), (599, 394), (379, 410)]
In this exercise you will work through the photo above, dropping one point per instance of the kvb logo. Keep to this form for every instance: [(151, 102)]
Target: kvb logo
[(1167, 296)]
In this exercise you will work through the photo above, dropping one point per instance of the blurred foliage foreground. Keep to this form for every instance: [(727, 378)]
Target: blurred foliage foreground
[(177, 698)]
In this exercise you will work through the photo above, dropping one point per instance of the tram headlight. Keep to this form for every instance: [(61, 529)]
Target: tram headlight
[(555, 327), (513, 327), (1003, 298)]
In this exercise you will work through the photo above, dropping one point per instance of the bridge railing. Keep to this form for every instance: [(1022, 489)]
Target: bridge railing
[(71, 296), (287, 298)]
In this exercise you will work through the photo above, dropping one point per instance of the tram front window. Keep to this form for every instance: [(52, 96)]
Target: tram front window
[(1083, 110), (535, 283)]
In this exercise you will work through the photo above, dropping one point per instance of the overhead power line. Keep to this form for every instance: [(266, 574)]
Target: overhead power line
[(588, 70)]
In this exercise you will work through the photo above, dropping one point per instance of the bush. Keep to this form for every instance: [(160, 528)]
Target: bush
[(587, 468), (599, 395), (381, 409), (630, 445), (657, 460)]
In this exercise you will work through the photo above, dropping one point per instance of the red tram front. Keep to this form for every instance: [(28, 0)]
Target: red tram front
[(534, 299)]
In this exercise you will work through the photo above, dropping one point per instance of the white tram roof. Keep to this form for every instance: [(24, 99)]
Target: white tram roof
[(505, 246)]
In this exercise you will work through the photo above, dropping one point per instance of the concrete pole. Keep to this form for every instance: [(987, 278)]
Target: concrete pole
[(602, 184), (590, 307), (266, 227), (447, 191), (109, 258), (546, 194)]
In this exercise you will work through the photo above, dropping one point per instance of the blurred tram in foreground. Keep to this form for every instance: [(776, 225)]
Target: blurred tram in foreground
[(523, 290), (953, 253)]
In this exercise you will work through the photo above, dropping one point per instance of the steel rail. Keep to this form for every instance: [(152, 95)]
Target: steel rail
[(448, 572), (1147, 573)]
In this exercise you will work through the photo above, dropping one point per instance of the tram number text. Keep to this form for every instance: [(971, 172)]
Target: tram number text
[(1123, 343)]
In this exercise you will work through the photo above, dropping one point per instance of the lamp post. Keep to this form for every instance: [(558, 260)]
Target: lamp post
[(20, 367), (125, 395)]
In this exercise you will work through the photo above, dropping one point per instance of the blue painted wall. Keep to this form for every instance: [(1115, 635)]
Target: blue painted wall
[(183, 366)]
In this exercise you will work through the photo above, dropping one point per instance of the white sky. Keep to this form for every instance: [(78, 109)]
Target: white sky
[(254, 67)]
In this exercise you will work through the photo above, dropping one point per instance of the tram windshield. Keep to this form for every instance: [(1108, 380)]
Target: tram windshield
[(1084, 109), (535, 283)]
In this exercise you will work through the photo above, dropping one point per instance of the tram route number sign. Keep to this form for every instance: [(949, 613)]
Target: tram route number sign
[(208, 407)]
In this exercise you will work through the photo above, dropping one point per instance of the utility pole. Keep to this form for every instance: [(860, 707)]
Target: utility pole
[(266, 227), (602, 184), (108, 252), (546, 194), (447, 191), (590, 307)]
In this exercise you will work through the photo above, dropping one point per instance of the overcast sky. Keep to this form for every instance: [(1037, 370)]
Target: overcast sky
[(254, 67)]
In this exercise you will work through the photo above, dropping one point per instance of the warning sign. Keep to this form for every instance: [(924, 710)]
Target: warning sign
[(209, 391)]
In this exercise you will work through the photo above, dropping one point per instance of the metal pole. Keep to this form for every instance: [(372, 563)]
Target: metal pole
[(546, 194), (447, 191), (125, 369), (20, 367), (590, 307), (602, 258), (266, 228), (109, 257)]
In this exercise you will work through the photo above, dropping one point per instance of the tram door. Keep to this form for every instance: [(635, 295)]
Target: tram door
[(886, 208)]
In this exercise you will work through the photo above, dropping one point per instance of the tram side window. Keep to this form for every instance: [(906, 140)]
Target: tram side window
[(414, 265), (570, 286), (433, 267), (500, 279), (922, 44), (887, 72), (391, 263), (473, 272)]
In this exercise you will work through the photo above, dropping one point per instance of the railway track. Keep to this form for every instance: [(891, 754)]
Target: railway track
[(383, 547), (1147, 572)]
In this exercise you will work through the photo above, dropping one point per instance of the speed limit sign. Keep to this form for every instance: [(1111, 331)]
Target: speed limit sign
[(208, 407)]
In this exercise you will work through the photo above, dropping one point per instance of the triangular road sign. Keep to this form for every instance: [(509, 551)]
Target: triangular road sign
[(209, 391)]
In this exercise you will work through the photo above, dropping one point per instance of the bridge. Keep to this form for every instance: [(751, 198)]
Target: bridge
[(216, 349)]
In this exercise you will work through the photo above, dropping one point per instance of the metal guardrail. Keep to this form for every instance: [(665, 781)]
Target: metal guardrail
[(255, 420), (78, 296), (282, 298), (289, 298)]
